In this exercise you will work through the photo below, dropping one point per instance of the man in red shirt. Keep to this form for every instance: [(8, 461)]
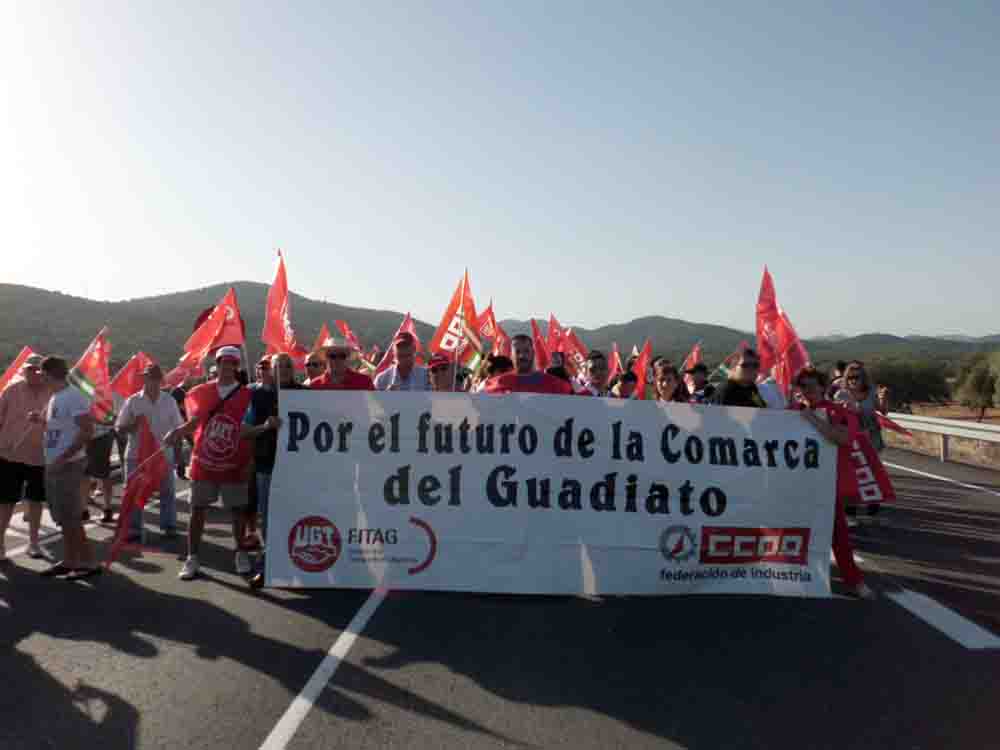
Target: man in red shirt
[(338, 376), (525, 378), (220, 460)]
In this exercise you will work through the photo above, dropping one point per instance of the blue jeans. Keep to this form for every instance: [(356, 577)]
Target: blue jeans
[(168, 500)]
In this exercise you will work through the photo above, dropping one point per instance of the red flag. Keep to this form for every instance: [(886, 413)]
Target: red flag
[(502, 343), (615, 365), (792, 354), (452, 335), (542, 357), (389, 358), (90, 375), (555, 335), (224, 326), (487, 323), (15, 367), (129, 379), (779, 346), (324, 334), (693, 358), (151, 469), (576, 353), (349, 336), (641, 369), (278, 333), (767, 323), (887, 424)]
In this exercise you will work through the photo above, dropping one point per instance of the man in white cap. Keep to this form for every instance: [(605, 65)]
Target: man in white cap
[(22, 460), (162, 414), (220, 460), (338, 376)]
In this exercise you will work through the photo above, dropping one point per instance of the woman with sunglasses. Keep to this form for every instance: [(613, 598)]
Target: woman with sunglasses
[(835, 423), (858, 395), (315, 365)]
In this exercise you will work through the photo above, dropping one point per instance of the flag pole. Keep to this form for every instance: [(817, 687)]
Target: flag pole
[(461, 313)]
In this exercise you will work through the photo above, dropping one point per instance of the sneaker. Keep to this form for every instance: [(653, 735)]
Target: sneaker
[(257, 580), (35, 552), (190, 569), (59, 569), (243, 566)]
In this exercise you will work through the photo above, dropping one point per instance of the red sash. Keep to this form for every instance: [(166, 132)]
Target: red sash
[(861, 476), (219, 454)]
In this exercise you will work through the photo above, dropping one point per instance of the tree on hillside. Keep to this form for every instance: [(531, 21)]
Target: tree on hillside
[(977, 383), (912, 382)]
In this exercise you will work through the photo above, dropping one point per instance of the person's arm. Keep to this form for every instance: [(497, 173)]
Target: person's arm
[(86, 424), (183, 431), (250, 431), (127, 422)]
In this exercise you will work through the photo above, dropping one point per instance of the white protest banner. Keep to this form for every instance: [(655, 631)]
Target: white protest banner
[(547, 495)]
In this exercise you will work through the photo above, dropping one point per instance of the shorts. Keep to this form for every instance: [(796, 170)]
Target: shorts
[(21, 481), (234, 495), (99, 456), (63, 492)]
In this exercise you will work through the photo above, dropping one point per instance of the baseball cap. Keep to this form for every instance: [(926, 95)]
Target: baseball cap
[(699, 367), (336, 342), (228, 352)]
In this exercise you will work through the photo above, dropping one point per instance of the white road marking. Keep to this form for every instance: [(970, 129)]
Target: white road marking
[(943, 479), (289, 723), (949, 622)]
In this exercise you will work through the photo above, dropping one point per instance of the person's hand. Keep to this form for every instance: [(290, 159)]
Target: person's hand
[(273, 423), (35, 416)]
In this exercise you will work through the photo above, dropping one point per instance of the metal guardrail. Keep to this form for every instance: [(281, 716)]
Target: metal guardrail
[(947, 428)]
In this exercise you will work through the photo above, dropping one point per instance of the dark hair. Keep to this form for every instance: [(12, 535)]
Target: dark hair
[(810, 373), (55, 367), (523, 337), (749, 353), (497, 364), (680, 392), (559, 372), (595, 354), (629, 377), (840, 365)]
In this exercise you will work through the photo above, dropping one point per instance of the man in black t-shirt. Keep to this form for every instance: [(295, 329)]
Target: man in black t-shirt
[(740, 389)]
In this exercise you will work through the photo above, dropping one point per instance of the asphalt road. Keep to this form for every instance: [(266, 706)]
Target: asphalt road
[(138, 659)]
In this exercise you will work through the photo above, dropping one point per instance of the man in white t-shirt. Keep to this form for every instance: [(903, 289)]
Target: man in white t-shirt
[(68, 428), (405, 374), (161, 412)]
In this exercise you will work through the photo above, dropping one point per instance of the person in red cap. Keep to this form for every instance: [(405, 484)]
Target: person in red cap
[(338, 376), (404, 374), (525, 378), (439, 373), (220, 460)]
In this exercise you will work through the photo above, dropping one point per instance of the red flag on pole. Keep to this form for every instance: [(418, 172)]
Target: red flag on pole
[(780, 348), (887, 424), (459, 317), (555, 333), (278, 333), (576, 353), (90, 375), (641, 369), (501, 343), (694, 358), (349, 336), (542, 357), (129, 379), (487, 323), (792, 354), (615, 365), (15, 367), (151, 469), (224, 326)]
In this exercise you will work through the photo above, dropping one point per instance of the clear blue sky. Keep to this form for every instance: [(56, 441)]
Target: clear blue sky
[(597, 161)]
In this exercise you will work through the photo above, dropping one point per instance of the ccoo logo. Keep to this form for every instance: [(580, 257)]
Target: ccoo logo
[(314, 544)]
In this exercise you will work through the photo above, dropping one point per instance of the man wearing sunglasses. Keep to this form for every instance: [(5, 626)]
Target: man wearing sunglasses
[(741, 388), (338, 376), (315, 366)]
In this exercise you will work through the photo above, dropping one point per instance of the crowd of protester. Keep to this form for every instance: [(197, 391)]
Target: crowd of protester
[(51, 450)]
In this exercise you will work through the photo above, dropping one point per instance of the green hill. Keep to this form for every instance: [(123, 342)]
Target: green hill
[(51, 322)]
